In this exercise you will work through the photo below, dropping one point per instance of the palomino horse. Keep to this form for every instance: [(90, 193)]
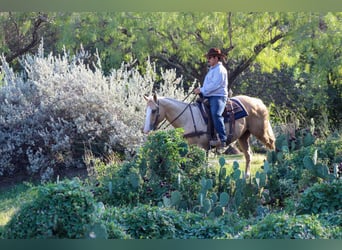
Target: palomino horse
[(189, 117)]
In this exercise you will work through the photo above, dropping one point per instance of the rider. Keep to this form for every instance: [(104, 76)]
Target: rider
[(215, 89)]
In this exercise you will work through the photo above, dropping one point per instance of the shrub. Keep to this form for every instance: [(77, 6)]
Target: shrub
[(145, 222), (63, 210), (283, 226), (295, 169), (321, 197), (333, 222), (333, 218), (59, 108), (166, 163), (115, 231), (150, 222)]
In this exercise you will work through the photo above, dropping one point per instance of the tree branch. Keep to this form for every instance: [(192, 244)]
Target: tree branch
[(247, 62), (34, 40), (230, 32)]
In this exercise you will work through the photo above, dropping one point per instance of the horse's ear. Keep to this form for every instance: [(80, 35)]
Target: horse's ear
[(155, 98), (146, 97)]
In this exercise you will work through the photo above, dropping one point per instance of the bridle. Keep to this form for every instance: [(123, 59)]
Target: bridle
[(154, 125)]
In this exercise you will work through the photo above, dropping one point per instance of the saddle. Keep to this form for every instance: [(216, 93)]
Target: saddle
[(233, 111)]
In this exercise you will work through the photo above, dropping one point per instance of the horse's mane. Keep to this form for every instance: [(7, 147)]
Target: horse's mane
[(173, 100)]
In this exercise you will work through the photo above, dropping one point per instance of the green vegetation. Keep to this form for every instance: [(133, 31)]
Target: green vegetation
[(283, 226), (165, 194), (63, 210), (66, 106), (291, 60), (12, 198)]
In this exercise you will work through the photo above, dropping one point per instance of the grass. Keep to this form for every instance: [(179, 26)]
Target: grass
[(12, 199), (257, 161)]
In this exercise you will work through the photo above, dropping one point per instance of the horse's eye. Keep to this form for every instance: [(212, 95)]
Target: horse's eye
[(154, 111)]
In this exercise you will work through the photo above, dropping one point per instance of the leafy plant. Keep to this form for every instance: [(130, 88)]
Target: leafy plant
[(165, 171), (321, 197), (146, 222), (283, 226), (62, 210), (295, 168)]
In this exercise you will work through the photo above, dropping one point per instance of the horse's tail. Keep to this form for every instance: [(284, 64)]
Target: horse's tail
[(258, 121), (269, 135), (260, 125)]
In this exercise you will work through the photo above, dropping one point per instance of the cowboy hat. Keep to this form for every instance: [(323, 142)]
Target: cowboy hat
[(214, 52)]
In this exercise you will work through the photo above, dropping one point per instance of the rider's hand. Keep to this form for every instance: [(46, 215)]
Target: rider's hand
[(197, 91)]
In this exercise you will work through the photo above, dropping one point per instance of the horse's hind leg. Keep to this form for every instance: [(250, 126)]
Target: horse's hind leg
[(246, 149)]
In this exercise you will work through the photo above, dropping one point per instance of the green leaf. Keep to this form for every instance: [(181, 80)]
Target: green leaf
[(218, 211), (323, 171), (209, 184), (224, 199), (308, 163), (134, 179), (175, 198), (223, 172), (222, 161), (266, 167), (235, 165), (214, 197), (167, 202), (207, 205), (236, 174)]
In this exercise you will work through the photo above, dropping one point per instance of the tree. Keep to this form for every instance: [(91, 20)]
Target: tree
[(283, 57), (22, 32)]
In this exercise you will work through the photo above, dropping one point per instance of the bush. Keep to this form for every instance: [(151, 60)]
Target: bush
[(321, 197), (333, 222), (295, 169), (63, 210), (332, 218), (283, 226), (58, 109), (166, 163), (147, 222)]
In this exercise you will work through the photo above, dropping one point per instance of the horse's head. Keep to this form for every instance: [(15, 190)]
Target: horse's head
[(153, 115)]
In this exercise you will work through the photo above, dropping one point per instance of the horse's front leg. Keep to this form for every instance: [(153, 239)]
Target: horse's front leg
[(246, 149), (248, 165)]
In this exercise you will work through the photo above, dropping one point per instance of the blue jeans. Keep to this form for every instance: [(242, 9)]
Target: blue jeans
[(217, 105)]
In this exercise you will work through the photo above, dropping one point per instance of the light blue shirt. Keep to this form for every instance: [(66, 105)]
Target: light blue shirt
[(216, 81)]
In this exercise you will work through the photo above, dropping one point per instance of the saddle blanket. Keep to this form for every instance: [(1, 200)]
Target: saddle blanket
[(236, 107), (233, 105)]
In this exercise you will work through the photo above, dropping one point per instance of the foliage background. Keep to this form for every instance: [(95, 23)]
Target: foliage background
[(292, 60)]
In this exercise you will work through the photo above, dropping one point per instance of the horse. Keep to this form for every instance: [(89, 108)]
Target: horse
[(189, 117)]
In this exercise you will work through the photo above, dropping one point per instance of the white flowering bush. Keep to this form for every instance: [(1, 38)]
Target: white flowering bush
[(58, 109)]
